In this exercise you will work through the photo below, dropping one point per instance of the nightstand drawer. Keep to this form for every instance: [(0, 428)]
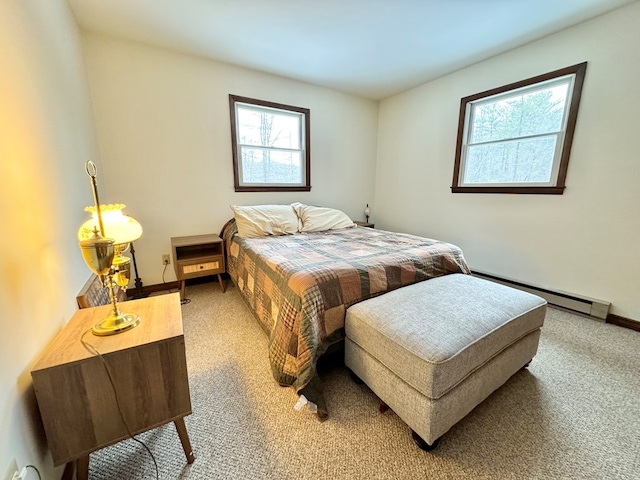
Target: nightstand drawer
[(201, 267)]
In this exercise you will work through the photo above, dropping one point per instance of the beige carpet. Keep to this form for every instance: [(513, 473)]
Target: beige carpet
[(575, 414)]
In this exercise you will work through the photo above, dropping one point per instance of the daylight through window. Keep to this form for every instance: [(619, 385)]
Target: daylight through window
[(517, 138), (270, 144)]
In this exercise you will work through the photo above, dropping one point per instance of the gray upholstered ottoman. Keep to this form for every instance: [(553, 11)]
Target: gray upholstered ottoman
[(434, 350)]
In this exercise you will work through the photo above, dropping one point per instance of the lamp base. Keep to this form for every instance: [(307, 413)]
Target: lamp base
[(116, 324)]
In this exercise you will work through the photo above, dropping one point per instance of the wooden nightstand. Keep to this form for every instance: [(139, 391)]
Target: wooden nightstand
[(149, 370), (365, 224), (198, 256)]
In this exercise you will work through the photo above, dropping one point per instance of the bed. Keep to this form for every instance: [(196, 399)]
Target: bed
[(299, 287)]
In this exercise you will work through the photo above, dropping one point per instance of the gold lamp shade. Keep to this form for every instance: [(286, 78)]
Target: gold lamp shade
[(122, 228)]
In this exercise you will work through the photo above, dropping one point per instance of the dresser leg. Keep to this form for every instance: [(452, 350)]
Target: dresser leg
[(221, 282), (82, 468), (182, 287), (184, 438)]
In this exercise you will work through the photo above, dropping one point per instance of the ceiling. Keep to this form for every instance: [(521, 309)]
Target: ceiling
[(371, 48)]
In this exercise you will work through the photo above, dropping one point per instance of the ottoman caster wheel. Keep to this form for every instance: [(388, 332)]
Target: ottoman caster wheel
[(422, 444), (524, 367), (355, 378)]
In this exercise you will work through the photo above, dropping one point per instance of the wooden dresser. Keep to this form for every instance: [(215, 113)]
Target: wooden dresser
[(149, 370)]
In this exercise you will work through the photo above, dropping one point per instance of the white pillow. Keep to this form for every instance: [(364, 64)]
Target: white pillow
[(319, 219), (262, 220)]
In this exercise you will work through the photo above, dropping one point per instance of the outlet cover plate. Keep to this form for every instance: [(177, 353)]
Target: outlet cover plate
[(13, 468)]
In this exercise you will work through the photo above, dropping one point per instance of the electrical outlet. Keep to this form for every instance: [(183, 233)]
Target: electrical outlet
[(166, 260), (11, 471)]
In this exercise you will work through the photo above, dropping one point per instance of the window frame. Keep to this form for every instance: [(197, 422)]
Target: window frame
[(561, 162), (305, 124)]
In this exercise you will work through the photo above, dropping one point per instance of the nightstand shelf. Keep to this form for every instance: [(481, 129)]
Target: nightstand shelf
[(198, 256)]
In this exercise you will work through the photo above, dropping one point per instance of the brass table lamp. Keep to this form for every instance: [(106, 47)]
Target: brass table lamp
[(103, 239)]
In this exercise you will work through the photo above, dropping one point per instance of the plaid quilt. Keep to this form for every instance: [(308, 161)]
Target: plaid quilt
[(300, 286)]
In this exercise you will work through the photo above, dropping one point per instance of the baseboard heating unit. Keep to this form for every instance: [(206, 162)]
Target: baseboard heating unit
[(596, 309)]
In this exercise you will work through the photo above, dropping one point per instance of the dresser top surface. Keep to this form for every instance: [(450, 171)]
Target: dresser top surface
[(160, 319)]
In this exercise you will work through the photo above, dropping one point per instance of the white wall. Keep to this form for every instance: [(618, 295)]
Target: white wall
[(164, 134), (46, 134), (585, 241)]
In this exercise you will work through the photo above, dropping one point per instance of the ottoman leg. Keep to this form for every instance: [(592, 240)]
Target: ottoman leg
[(422, 444), (526, 365)]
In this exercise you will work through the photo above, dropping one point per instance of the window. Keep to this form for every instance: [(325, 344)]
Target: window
[(270, 146), (517, 138)]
